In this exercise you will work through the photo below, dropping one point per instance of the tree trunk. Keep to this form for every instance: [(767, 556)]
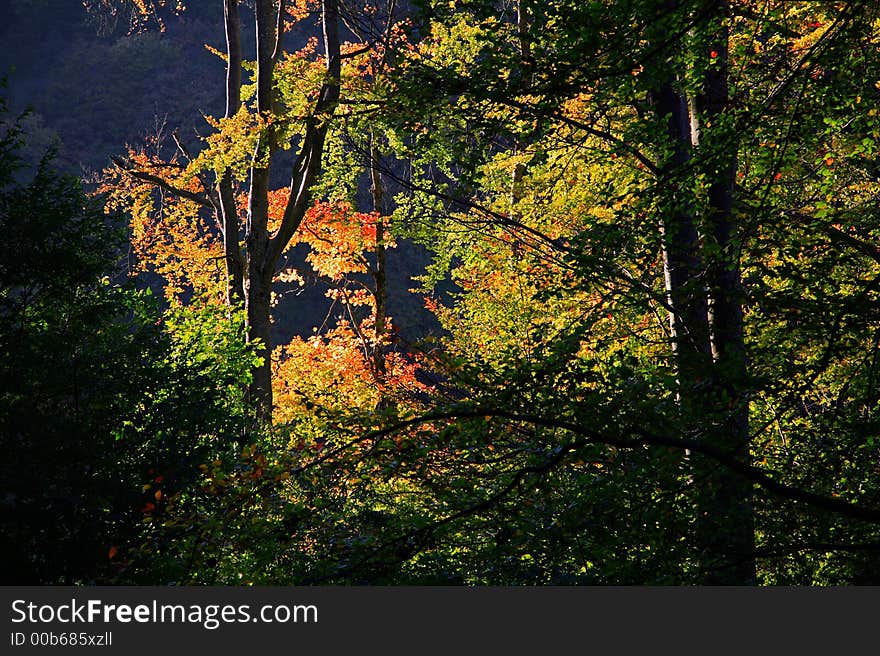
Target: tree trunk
[(704, 296), (379, 274), (259, 270), (249, 274), (725, 518), (682, 263), (258, 310), (702, 286), (262, 249), (228, 209)]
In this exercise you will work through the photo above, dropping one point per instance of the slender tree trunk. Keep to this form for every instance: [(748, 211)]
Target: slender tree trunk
[(682, 263), (519, 169), (703, 291), (379, 275), (726, 518), (228, 209)]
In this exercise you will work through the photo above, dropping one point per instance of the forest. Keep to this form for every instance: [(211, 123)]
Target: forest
[(440, 292)]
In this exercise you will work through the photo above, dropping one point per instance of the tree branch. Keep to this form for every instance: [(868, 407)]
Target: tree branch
[(308, 163), (754, 474), (143, 176)]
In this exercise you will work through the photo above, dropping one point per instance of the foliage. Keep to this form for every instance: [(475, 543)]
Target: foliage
[(562, 438), (100, 391), (654, 271)]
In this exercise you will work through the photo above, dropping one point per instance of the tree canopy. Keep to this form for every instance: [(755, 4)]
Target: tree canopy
[(653, 282)]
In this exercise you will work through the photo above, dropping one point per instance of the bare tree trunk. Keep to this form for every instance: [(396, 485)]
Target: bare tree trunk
[(258, 310)]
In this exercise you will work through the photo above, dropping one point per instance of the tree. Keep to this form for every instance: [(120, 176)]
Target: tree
[(637, 99), (251, 260), (100, 391), (660, 346)]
